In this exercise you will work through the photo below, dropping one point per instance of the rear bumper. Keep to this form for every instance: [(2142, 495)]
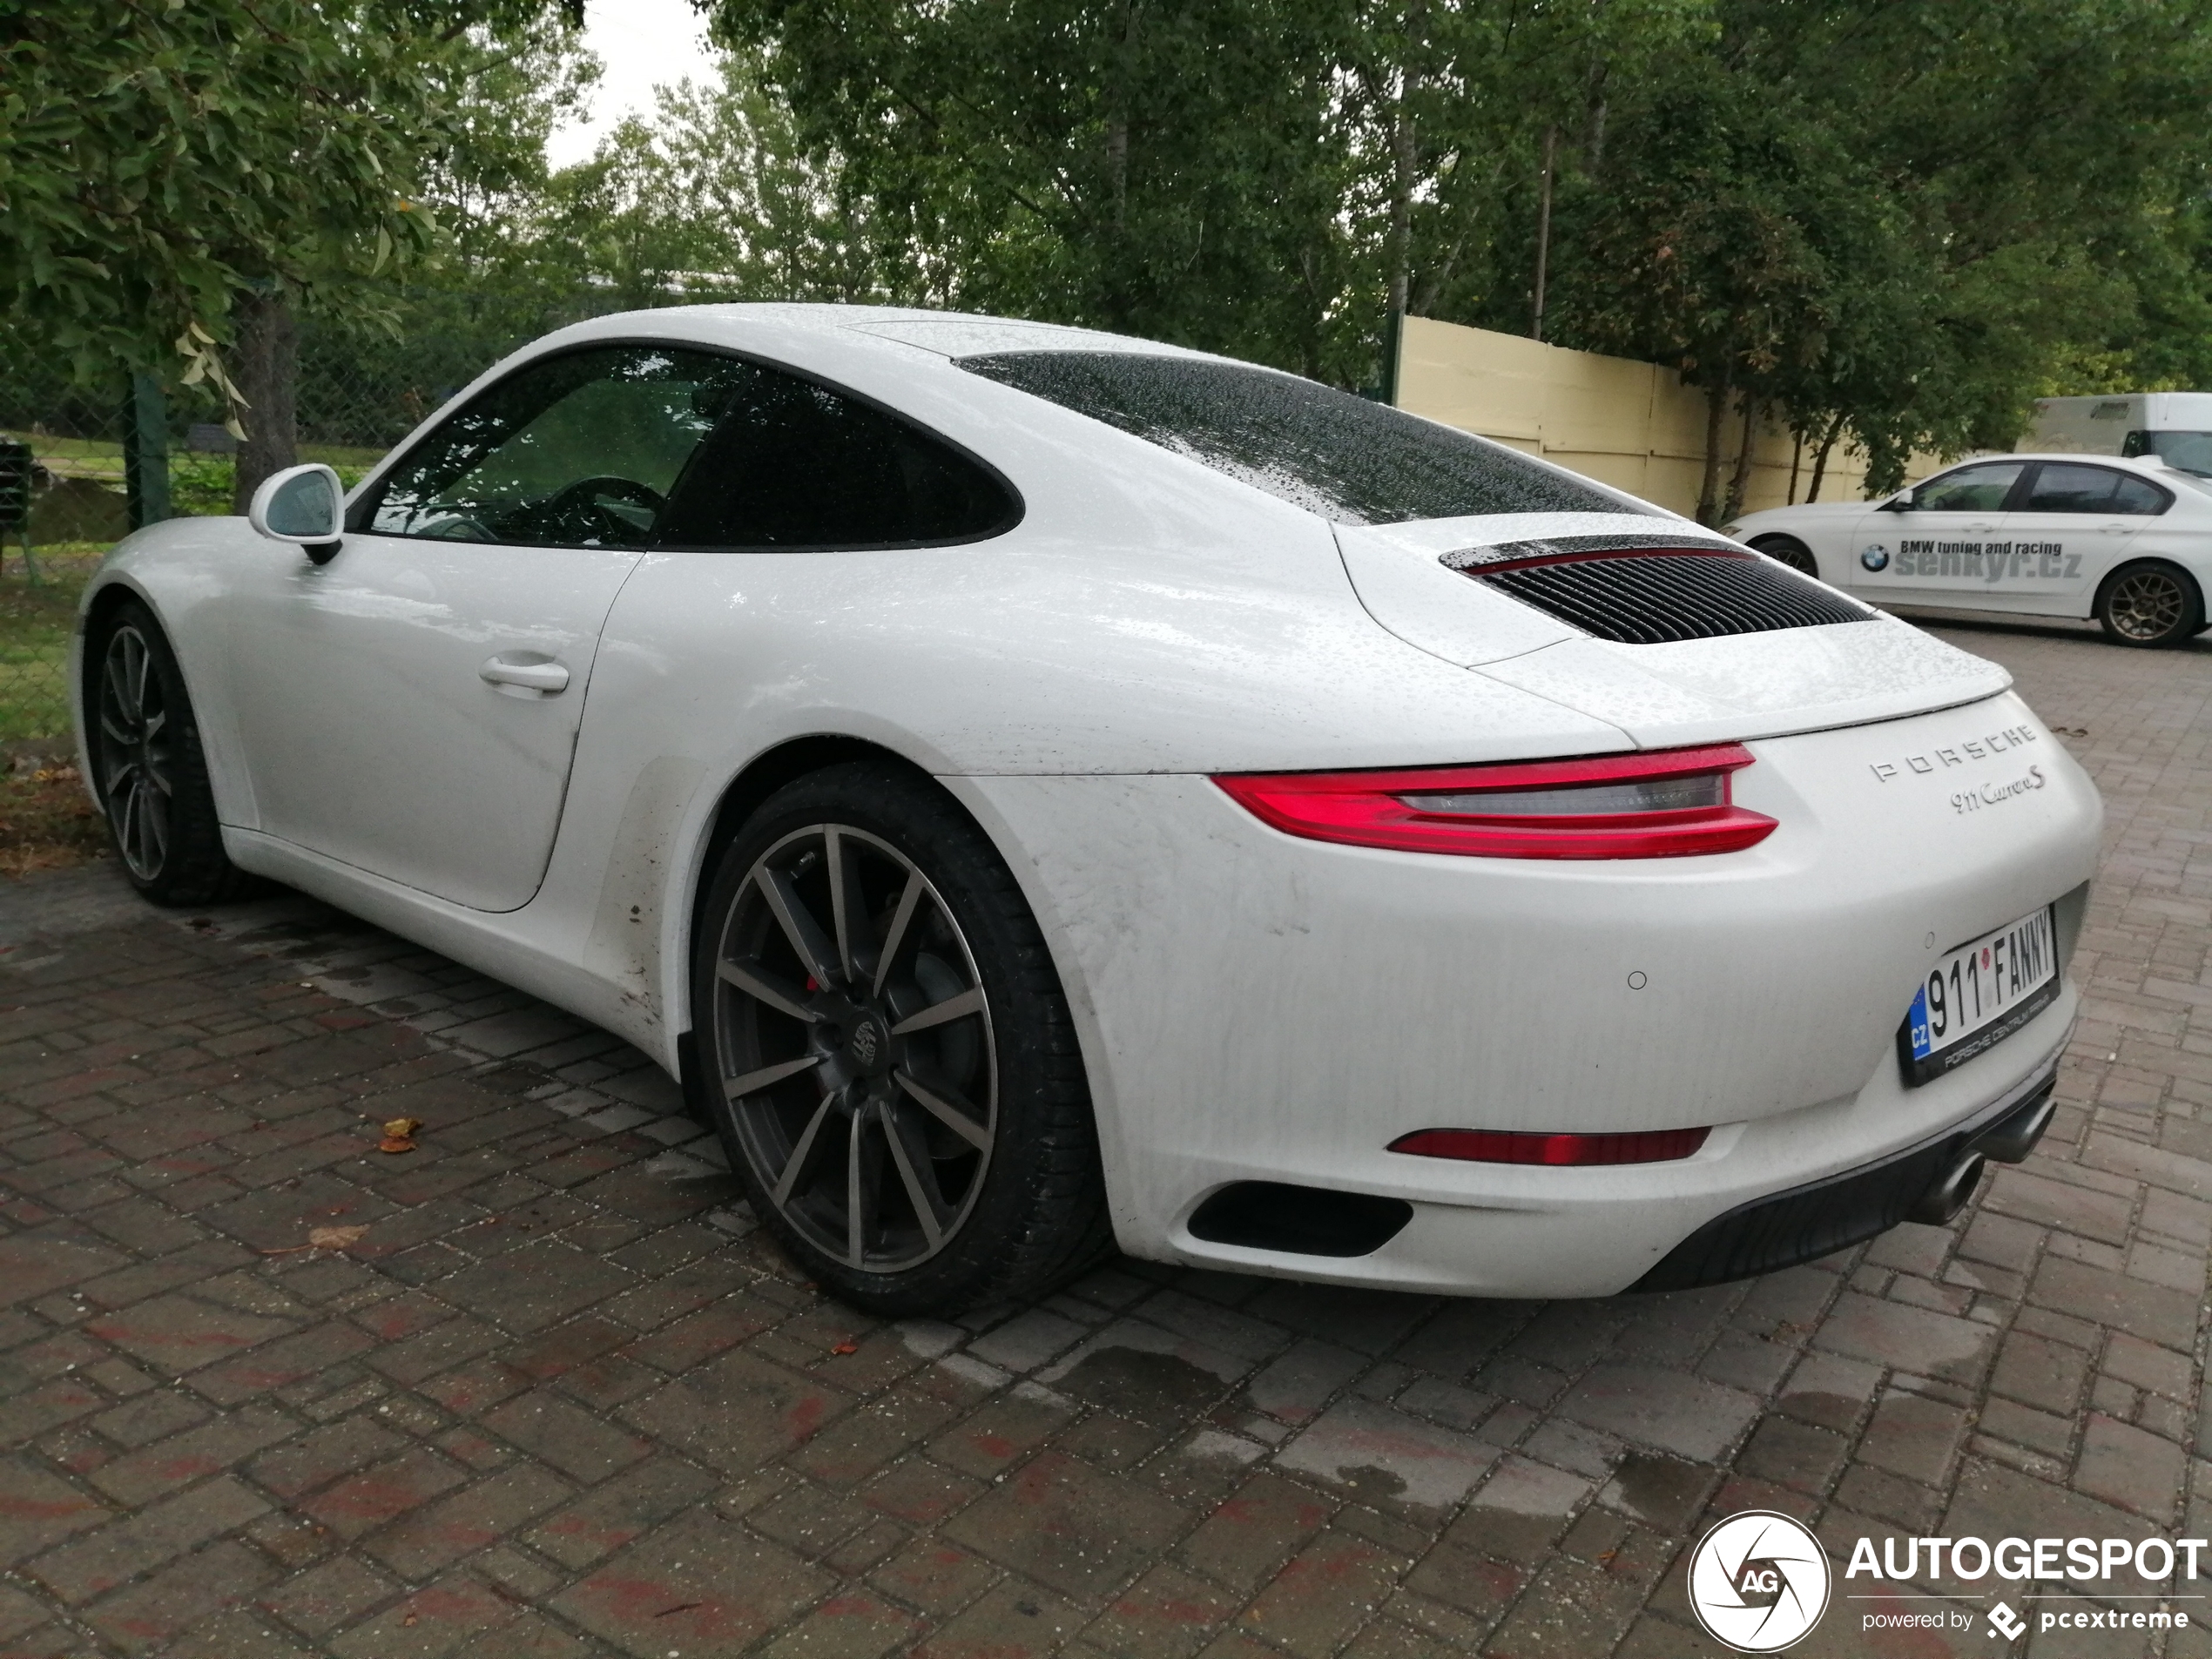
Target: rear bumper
[(1929, 1183), (1255, 1007)]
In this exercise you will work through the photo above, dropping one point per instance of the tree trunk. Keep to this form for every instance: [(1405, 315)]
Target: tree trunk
[(1708, 486), (266, 369), (1820, 458), (1796, 459), (1739, 485), (1544, 230), (1405, 157)]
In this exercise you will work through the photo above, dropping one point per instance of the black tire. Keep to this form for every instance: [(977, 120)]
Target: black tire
[(2150, 605), (1791, 552), (978, 1119), (148, 768)]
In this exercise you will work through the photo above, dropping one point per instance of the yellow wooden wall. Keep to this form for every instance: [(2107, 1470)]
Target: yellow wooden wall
[(1632, 425)]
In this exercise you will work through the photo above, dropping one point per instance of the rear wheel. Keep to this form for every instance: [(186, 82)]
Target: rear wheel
[(2150, 605), (148, 767), (890, 1061), (1791, 552)]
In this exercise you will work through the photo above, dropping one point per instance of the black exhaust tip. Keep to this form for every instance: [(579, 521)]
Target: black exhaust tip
[(1947, 1194)]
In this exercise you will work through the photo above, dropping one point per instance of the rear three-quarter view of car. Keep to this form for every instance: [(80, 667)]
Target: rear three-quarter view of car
[(1046, 791)]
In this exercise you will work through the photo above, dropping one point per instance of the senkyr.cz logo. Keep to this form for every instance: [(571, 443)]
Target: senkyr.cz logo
[(1758, 1581)]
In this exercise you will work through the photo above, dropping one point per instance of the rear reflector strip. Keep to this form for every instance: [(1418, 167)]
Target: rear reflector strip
[(1668, 803), (1507, 1146)]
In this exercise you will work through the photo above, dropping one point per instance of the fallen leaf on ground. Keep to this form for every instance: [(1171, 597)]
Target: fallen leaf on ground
[(322, 1238), (847, 1347), (398, 1135)]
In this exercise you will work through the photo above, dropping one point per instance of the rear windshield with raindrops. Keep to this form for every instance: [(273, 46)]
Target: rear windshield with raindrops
[(1350, 460)]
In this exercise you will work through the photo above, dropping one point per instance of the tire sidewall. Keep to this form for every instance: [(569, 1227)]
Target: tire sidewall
[(913, 815)]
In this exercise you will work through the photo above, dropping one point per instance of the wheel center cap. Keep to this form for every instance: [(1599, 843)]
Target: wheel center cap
[(869, 1045)]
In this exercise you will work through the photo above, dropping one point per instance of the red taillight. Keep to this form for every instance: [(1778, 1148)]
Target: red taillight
[(1506, 1146), (1669, 803)]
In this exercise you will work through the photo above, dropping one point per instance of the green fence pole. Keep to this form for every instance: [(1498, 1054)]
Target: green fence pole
[(146, 451)]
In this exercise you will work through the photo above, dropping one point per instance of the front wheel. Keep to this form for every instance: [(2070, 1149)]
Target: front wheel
[(1790, 551), (890, 1061), (147, 764), (2150, 605)]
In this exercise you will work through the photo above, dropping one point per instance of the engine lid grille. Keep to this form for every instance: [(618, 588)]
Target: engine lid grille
[(1643, 594)]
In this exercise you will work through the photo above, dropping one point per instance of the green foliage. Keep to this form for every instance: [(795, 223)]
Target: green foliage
[(156, 159)]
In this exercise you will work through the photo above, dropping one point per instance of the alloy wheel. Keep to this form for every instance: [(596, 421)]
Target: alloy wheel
[(137, 752), (852, 1041), (2145, 604)]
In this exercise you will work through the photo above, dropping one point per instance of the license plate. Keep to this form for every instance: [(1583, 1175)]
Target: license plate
[(1978, 995)]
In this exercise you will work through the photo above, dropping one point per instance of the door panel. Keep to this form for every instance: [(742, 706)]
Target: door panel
[(411, 707), (2075, 524), (371, 728), (1934, 551)]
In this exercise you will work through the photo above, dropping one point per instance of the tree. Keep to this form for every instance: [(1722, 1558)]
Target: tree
[(176, 173), (1167, 169)]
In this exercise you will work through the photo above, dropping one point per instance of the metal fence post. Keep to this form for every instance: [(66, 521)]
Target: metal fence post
[(146, 451)]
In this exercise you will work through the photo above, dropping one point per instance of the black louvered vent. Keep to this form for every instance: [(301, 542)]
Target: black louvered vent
[(1655, 595)]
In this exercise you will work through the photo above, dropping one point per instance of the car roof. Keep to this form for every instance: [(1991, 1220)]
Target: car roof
[(2129, 463), (946, 333)]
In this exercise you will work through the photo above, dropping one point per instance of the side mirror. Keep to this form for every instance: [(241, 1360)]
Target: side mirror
[(1900, 502), (302, 505)]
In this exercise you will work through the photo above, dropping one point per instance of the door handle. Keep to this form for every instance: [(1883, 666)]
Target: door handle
[(547, 677)]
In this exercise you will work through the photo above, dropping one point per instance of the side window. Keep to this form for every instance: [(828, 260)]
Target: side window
[(2064, 487), (579, 450), (1980, 489), (793, 464), (2136, 497)]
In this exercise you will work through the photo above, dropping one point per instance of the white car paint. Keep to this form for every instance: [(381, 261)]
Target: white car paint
[(1251, 1006), (2026, 563)]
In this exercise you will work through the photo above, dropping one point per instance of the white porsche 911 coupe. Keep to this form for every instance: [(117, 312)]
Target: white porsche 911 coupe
[(1041, 791), (2128, 541)]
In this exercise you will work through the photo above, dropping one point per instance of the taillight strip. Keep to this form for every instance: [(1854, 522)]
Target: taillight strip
[(1368, 808), (1514, 1146)]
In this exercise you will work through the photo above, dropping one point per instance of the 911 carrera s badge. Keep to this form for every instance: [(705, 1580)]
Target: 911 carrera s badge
[(1875, 558)]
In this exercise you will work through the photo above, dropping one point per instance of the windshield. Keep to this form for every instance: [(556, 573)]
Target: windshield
[(2184, 451), (1344, 457)]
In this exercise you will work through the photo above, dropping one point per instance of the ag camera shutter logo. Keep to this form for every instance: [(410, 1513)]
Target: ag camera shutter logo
[(1758, 1581)]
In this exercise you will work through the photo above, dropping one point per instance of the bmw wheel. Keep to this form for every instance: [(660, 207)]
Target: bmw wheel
[(1790, 551), (889, 1059), (2150, 605), (148, 767)]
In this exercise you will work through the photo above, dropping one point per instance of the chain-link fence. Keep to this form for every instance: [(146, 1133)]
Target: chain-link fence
[(65, 497)]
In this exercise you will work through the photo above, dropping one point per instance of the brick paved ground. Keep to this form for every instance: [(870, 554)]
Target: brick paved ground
[(559, 1398)]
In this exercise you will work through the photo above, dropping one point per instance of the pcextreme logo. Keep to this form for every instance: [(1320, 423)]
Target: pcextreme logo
[(1758, 1581)]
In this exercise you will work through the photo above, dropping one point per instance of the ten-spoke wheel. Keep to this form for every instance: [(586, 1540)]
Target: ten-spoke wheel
[(856, 1041), (135, 752), (888, 1056), (147, 766), (2150, 605)]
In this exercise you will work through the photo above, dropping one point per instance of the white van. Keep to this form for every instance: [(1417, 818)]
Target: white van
[(2174, 426)]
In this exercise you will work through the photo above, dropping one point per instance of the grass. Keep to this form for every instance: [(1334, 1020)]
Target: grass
[(36, 620)]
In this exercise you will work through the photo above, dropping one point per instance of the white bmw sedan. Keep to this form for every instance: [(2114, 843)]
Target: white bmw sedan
[(1041, 791), (2128, 542)]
